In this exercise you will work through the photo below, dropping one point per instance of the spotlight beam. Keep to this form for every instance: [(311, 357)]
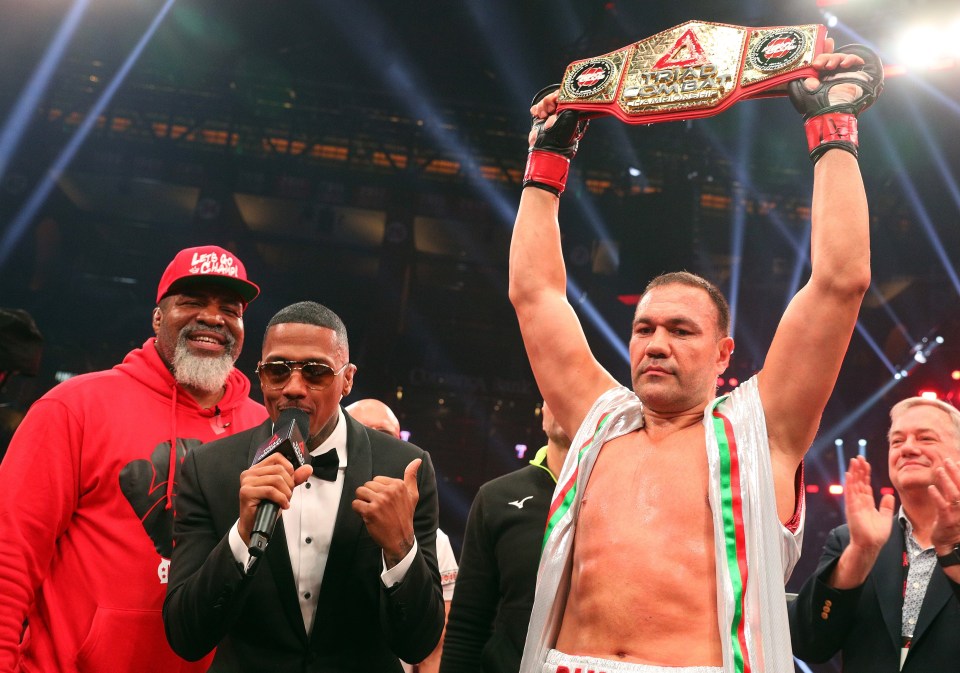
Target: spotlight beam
[(916, 203), (841, 462), (741, 168), (401, 77), (580, 301), (801, 249), (934, 150), (890, 312), (862, 331), (587, 208), (801, 245), (839, 428), (19, 118), (505, 46), (492, 23), (739, 163), (736, 256), (29, 210)]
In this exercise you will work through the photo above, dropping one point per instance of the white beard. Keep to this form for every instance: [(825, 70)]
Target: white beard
[(202, 372)]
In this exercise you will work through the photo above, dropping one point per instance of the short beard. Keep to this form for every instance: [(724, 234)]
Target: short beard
[(202, 372)]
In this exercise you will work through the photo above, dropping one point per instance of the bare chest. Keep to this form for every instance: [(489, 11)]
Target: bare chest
[(648, 491), (644, 562), (645, 514)]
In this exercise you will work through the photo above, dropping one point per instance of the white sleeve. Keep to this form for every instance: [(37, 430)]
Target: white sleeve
[(393, 576), (240, 552), (448, 565)]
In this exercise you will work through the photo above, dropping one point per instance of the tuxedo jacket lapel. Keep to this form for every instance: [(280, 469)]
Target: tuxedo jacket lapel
[(277, 557), (348, 523)]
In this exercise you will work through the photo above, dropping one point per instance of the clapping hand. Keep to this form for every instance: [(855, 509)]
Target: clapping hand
[(869, 527), (869, 524)]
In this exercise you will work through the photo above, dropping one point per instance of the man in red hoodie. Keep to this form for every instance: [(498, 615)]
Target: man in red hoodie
[(87, 485)]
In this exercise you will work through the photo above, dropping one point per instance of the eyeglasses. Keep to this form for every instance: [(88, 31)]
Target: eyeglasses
[(316, 375)]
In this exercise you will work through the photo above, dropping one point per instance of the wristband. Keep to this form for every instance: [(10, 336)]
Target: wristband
[(834, 129), (951, 558), (546, 170)]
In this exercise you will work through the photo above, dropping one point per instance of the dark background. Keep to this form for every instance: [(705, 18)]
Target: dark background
[(367, 155)]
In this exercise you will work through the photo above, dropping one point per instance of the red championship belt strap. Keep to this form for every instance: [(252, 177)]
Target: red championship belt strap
[(696, 69)]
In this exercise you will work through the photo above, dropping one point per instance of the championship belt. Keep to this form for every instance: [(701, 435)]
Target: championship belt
[(696, 69)]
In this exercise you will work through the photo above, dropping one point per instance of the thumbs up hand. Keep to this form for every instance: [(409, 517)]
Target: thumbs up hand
[(386, 505)]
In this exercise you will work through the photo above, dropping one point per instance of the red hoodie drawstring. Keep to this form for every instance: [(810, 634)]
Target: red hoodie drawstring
[(171, 468)]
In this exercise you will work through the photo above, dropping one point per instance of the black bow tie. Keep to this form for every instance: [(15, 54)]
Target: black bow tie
[(325, 465)]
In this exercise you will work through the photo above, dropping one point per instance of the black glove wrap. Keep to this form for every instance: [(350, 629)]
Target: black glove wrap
[(549, 157), (564, 136), (817, 102)]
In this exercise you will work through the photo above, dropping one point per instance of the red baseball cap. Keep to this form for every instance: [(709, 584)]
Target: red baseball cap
[(209, 265)]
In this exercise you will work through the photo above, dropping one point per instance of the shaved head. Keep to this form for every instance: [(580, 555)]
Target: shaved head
[(375, 415)]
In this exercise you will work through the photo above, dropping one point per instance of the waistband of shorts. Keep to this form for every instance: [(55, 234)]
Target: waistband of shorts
[(558, 662)]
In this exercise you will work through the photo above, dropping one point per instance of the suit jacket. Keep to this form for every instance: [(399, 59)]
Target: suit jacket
[(254, 620), (864, 623)]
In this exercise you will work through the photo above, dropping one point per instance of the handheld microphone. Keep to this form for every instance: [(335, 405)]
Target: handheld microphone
[(287, 440)]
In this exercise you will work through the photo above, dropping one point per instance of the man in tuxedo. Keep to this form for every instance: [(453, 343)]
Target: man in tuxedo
[(349, 581), (886, 593)]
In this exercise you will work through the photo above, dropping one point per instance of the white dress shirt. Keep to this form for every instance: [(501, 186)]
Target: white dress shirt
[(308, 524)]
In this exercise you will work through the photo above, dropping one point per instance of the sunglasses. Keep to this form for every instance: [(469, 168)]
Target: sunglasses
[(316, 375)]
